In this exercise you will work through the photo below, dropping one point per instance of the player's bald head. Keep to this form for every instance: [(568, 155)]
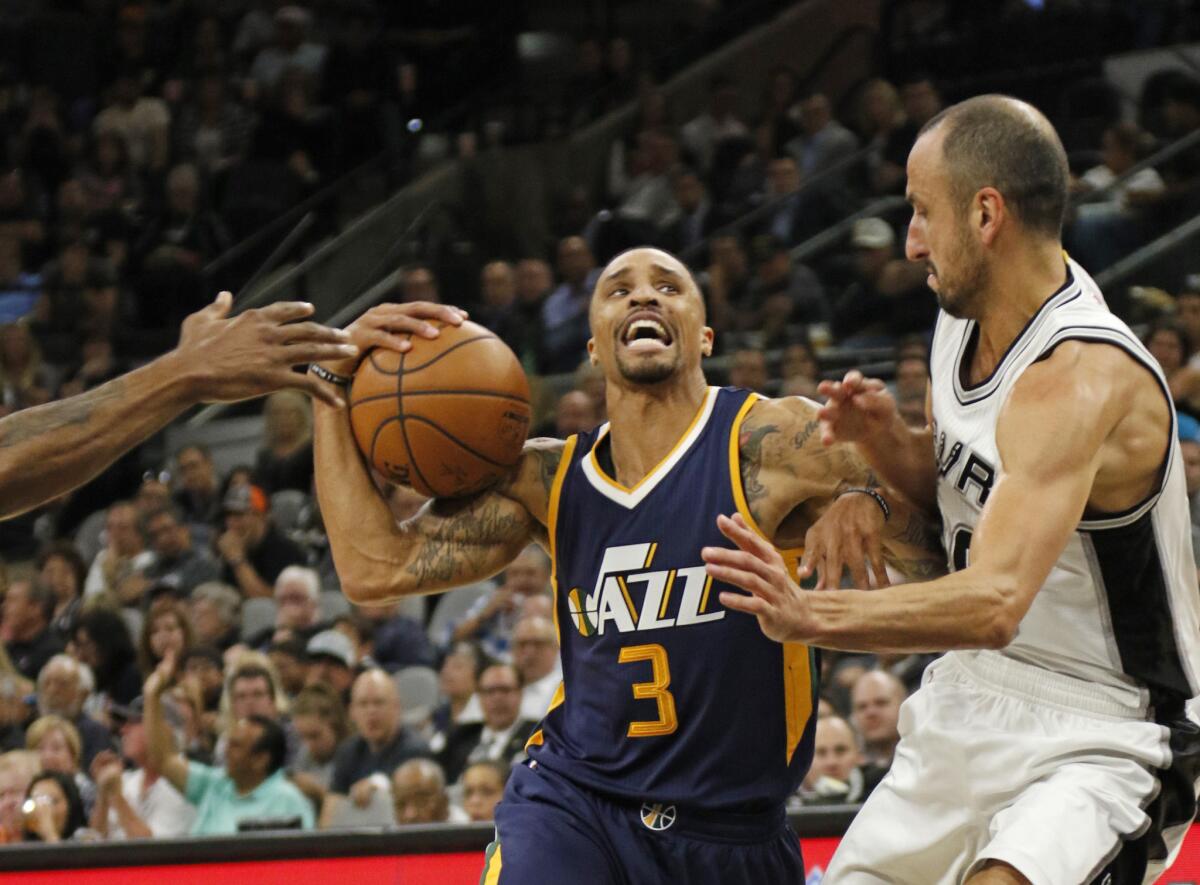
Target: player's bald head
[(1002, 142), (648, 257)]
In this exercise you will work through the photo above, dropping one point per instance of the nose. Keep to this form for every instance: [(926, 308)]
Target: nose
[(915, 248), (643, 296)]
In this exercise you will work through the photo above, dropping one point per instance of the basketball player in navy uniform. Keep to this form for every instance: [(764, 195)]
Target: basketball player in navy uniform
[(1052, 744), (679, 730), (48, 450)]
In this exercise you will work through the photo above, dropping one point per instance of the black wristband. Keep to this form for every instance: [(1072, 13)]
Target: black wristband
[(326, 375), (883, 505)]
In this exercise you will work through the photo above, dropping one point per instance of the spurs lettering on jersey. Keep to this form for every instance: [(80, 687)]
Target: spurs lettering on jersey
[(670, 598), (975, 475)]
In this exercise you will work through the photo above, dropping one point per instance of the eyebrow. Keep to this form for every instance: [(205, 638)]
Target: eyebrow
[(622, 271)]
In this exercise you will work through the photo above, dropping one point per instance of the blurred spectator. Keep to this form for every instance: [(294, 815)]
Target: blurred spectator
[(836, 775), (319, 718), (748, 369), (108, 178), (331, 661), (622, 74), (28, 637), (879, 114), (59, 749), (198, 495), (498, 308), (102, 642), (534, 284), (152, 494), (14, 690), (166, 628), (456, 684), (18, 288), (782, 293), (491, 620), (1169, 345), (356, 76), (417, 283), (251, 786), (586, 84), (799, 361), (783, 185), (175, 562), (290, 657), (823, 141), (692, 218), (535, 655), (590, 380), (718, 122), (138, 803), (1190, 450), (143, 122), (117, 570), (778, 124), (565, 311), (1122, 145), (79, 301), (888, 296), (97, 363), (419, 794), (726, 283), (17, 769), (58, 809), (285, 460), (25, 379), (502, 734), (575, 413), (21, 215), (297, 607), (204, 678), (483, 786), (381, 744), (253, 549), (215, 609), (291, 49), (61, 570), (294, 134), (214, 131), (397, 640), (642, 187), (912, 377), (63, 687), (875, 711), (921, 102)]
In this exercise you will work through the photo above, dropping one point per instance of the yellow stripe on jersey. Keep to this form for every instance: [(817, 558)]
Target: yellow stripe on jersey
[(552, 522), (491, 865), (704, 599), (662, 609), (650, 555), (633, 613)]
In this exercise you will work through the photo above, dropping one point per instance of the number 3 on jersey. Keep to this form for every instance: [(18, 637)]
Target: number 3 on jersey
[(656, 689)]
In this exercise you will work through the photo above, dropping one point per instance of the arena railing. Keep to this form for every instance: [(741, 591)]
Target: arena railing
[(282, 845), (1162, 155), (1149, 258)]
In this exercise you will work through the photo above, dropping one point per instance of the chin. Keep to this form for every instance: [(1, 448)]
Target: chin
[(647, 371)]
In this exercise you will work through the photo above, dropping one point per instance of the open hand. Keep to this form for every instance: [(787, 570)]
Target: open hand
[(162, 677), (362, 791), (856, 408), (756, 566), (847, 536)]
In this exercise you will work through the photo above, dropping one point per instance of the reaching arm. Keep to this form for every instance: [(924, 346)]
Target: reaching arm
[(861, 411), (1057, 432), (51, 449), (162, 755)]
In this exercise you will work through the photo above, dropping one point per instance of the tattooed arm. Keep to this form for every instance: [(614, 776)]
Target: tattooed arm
[(51, 449), (791, 480), (448, 543)]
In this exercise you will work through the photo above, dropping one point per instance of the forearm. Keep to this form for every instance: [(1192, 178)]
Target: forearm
[(961, 610), (249, 580), (159, 748), (51, 449), (911, 540), (131, 822), (904, 459), (99, 819)]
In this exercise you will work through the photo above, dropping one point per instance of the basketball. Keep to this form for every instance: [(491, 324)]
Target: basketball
[(448, 417)]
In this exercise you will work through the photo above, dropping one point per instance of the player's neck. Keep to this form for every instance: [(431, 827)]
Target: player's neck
[(645, 423), (1019, 287)]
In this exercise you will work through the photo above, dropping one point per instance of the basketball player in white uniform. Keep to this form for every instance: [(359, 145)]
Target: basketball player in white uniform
[(1051, 744)]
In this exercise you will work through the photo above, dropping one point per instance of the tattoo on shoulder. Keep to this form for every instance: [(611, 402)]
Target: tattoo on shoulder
[(547, 461), (804, 434), (72, 412), (750, 446), (460, 544)]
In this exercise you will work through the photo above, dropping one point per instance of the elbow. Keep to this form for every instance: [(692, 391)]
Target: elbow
[(1003, 614), (370, 590)]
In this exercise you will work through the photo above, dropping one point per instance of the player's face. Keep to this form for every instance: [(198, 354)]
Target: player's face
[(647, 319), (939, 234)]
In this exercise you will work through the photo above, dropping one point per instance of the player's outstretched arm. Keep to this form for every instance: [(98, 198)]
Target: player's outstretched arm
[(51, 449), (862, 412), (449, 542), (1065, 436), (796, 490)]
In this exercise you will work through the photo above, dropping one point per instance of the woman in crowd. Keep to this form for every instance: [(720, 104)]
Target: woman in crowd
[(483, 785), (456, 681), (101, 640), (57, 812), (62, 571), (320, 721), (1169, 344), (60, 749), (25, 378), (285, 460), (166, 628)]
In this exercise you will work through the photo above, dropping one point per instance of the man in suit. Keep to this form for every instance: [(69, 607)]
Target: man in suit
[(502, 735)]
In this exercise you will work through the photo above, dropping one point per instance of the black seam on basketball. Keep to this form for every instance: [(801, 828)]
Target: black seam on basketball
[(378, 368), (448, 350), (375, 397), (375, 436), (412, 457), (454, 439)]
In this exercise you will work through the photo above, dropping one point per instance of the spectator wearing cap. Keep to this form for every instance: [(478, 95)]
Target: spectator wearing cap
[(253, 550), (215, 609), (25, 627), (251, 786), (291, 48), (137, 803), (364, 761), (63, 687), (331, 661), (175, 561), (884, 301)]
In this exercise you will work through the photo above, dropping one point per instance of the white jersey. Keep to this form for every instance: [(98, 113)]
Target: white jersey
[(1120, 608)]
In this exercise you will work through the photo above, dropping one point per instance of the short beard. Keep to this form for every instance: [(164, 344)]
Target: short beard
[(647, 373), (960, 297)]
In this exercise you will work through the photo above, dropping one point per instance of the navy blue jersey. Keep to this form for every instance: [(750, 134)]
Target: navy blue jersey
[(666, 695)]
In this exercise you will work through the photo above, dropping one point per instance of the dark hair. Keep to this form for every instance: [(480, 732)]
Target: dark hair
[(149, 516), (41, 597), (204, 451), (110, 634), (254, 671), (65, 550), (481, 660), (272, 741), (504, 665), (501, 769), (994, 141), (1171, 328), (322, 701), (1184, 90), (66, 782), (164, 605)]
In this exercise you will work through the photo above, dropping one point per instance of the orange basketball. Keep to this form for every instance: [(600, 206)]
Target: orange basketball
[(446, 418)]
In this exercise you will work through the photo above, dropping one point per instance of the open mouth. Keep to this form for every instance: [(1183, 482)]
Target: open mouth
[(645, 332)]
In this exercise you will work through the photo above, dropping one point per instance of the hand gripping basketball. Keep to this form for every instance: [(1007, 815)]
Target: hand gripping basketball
[(391, 326)]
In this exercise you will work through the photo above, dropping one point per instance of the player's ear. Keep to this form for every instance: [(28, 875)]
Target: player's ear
[(592, 358), (706, 341), (989, 213)]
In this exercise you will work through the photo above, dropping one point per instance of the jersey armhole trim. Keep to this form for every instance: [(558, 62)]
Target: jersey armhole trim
[(560, 475), (735, 469)]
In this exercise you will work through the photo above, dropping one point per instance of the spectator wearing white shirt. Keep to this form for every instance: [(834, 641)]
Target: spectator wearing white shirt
[(138, 803), (291, 49), (703, 133), (118, 567), (143, 122), (535, 655)]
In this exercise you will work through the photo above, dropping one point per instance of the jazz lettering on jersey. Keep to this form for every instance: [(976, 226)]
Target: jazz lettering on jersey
[(975, 476), (677, 597)]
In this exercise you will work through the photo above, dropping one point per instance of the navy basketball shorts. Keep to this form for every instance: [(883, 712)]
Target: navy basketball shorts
[(548, 829)]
